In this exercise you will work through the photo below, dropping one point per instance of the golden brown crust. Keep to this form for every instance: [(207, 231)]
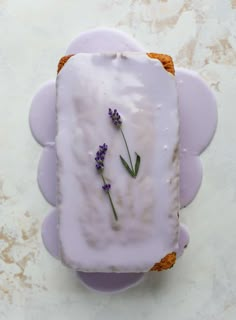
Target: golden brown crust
[(62, 62), (166, 263), (166, 61), (169, 260)]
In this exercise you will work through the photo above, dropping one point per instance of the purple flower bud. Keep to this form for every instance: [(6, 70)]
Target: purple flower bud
[(115, 117), (106, 187)]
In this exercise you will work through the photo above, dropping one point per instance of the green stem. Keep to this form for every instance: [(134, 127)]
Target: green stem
[(111, 202), (131, 164)]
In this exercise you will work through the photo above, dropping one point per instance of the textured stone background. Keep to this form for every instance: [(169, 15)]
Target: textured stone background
[(199, 34)]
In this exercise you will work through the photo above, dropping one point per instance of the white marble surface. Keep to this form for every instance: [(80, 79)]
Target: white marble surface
[(199, 34)]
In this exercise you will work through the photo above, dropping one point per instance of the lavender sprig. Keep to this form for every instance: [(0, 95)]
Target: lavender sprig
[(117, 121), (100, 156), (99, 159)]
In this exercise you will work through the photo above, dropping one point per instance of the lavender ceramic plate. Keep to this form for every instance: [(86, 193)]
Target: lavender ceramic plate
[(197, 110)]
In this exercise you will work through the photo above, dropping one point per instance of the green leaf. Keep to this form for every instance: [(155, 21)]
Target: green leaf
[(137, 164), (125, 164)]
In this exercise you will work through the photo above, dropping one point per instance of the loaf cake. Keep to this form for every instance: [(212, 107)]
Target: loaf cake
[(117, 112)]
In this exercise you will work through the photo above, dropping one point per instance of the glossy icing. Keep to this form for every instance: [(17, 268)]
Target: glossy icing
[(145, 95), (190, 164), (51, 239)]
